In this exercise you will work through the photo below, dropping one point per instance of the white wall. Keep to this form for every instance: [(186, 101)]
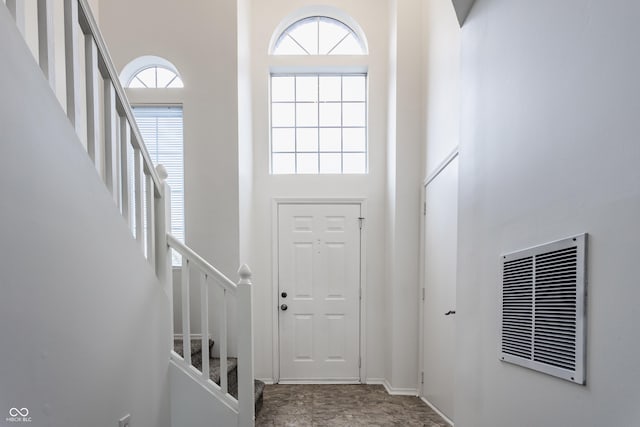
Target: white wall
[(441, 56), (200, 39), (549, 148), (84, 323), (403, 193), (390, 189), (192, 405), (215, 46), (441, 53), (245, 129), (373, 18)]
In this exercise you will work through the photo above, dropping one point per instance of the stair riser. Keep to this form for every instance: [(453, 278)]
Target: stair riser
[(214, 363)]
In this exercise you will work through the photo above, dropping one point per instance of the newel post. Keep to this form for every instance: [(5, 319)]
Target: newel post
[(245, 349), (163, 252)]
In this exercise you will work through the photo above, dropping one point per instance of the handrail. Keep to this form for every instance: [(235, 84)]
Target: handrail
[(207, 268), (88, 24), (134, 182), (142, 195), (241, 294), (79, 12)]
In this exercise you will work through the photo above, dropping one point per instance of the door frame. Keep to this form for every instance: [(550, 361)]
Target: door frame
[(275, 204), (423, 285)]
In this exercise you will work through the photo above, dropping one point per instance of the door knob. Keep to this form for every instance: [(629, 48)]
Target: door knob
[(284, 307), (284, 295)]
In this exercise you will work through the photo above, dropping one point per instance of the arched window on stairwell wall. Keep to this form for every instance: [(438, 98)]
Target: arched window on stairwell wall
[(161, 126)]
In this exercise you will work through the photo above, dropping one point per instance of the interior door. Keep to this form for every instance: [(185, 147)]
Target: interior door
[(319, 292), (440, 263)]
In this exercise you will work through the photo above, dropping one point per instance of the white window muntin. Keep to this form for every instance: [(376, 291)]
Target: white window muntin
[(318, 35), (319, 124), (155, 77)]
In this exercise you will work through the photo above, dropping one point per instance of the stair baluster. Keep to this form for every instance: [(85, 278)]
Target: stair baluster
[(141, 186), (224, 384), (204, 325)]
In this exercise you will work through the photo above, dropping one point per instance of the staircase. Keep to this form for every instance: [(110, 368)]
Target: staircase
[(215, 370), (98, 110)]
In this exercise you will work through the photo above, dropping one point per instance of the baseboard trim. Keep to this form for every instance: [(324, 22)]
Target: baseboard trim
[(437, 411), (390, 390), (267, 381), (329, 381), (399, 391)]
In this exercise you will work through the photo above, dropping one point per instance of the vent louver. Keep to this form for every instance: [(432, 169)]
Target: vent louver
[(543, 308)]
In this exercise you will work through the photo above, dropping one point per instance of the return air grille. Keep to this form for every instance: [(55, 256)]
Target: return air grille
[(543, 308)]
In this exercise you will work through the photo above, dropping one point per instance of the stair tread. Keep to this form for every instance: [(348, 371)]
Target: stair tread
[(196, 359), (214, 370), (196, 346), (258, 395), (214, 366), (259, 388), (258, 392)]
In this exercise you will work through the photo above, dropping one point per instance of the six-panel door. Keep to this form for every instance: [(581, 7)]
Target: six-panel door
[(318, 291)]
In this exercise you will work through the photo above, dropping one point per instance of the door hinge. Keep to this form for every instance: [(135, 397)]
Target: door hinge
[(360, 293), (423, 292), (359, 362), (361, 219), (424, 209), (421, 377)]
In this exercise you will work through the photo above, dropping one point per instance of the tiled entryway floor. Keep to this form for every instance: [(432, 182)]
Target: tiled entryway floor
[(342, 405)]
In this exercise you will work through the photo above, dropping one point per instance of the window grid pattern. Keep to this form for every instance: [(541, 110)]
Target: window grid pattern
[(318, 124), (155, 77), (318, 35)]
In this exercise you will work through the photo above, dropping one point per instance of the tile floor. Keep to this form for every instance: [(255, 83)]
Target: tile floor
[(342, 405)]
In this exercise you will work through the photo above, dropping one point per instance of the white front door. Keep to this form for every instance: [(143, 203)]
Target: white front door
[(318, 292), (440, 263)]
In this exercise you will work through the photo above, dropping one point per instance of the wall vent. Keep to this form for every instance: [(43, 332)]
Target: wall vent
[(543, 308)]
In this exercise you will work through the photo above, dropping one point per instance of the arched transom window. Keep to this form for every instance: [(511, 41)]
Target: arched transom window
[(156, 77), (318, 35)]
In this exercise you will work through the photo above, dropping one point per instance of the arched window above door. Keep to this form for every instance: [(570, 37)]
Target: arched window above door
[(318, 116), (319, 35)]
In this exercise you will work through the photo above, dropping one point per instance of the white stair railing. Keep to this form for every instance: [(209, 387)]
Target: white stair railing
[(210, 279), (115, 146), (113, 141)]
